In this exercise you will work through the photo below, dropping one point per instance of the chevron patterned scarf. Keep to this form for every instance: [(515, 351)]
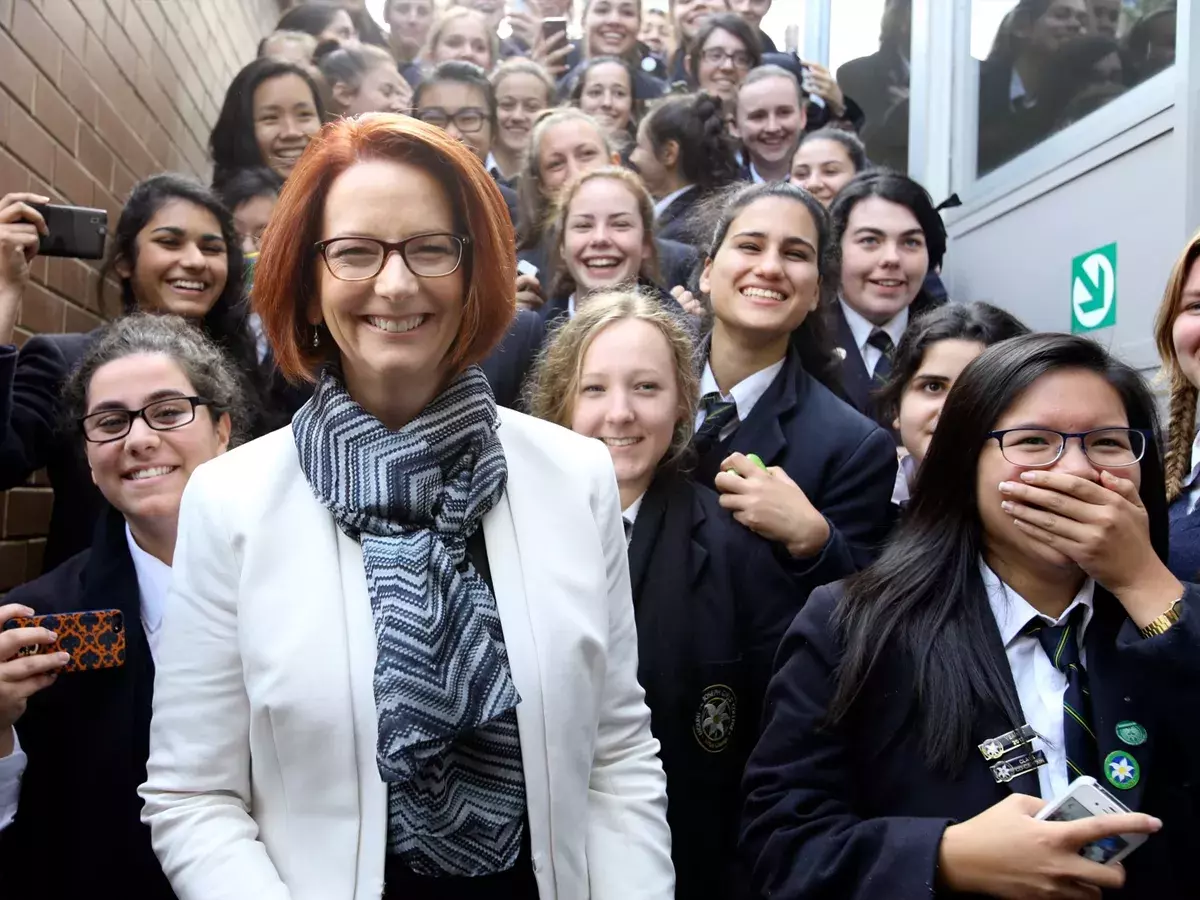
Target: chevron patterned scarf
[(448, 746)]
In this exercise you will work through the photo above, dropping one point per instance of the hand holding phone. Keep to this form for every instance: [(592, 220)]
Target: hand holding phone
[(74, 231), (1086, 798), (21, 228), (1006, 852), (23, 675), (93, 639)]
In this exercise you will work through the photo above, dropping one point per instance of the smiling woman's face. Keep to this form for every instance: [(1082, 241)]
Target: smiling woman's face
[(285, 120)]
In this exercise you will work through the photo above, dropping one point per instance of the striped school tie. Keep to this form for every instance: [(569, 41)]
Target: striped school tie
[(718, 413), (1061, 643), (882, 341)]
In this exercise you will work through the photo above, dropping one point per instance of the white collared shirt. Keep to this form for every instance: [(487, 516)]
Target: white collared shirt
[(492, 167), (661, 205), (755, 177), (744, 394), (861, 329), (1193, 491), (906, 474), (154, 580), (630, 513), (1040, 685), (571, 307)]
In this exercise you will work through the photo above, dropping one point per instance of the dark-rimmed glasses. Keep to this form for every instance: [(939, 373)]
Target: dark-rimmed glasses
[(161, 415), (716, 56), (468, 121), (1036, 448), (431, 255)]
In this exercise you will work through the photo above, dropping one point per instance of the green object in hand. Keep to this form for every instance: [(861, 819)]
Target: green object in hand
[(754, 458)]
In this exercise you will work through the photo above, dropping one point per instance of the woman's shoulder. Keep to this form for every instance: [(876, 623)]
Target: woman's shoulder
[(251, 474), (549, 447)]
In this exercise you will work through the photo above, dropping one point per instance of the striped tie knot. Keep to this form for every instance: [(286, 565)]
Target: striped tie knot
[(718, 413), (882, 341)]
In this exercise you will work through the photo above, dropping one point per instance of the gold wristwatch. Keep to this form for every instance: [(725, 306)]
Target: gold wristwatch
[(1163, 622)]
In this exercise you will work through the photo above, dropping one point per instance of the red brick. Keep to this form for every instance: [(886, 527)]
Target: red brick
[(13, 175), (4, 105), (153, 15), (120, 48), (123, 180), (122, 139), (28, 512), (43, 189), (30, 143), (41, 311), (94, 12), (94, 156), (117, 7), (67, 23), (6, 10), (138, 31), (17, 73), (13, 564), (55, 113), (79, 320), (70, 178), (75, 281), (30, 30), (100, 65), (156, 142), (78, 88)]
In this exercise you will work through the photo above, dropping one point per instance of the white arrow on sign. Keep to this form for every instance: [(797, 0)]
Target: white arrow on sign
[(1091, 309)]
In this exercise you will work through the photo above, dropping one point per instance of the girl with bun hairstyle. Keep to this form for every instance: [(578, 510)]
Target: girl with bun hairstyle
[(684, 153)]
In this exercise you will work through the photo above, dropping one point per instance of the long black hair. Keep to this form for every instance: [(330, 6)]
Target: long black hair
[(924, 599), (226, 322), (979, 322), (903, 191), (812, 340), (232, 144)]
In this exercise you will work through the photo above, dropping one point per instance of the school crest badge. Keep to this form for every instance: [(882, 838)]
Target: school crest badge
[(716, 717)]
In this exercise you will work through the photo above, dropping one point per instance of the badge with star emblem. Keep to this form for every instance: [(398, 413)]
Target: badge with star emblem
[(1122, 770), (714, 720)]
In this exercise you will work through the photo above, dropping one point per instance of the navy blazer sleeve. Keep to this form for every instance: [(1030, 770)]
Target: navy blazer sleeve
[(801, 836), (858, 507), (29, 408)]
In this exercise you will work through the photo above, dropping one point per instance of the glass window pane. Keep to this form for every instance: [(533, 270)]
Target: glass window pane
[(868, 52), (1045, 64)]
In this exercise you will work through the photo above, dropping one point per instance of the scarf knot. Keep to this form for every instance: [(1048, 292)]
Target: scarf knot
[(448, 746)]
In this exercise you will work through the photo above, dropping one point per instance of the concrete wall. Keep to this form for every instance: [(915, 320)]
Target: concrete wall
[(94, 96)]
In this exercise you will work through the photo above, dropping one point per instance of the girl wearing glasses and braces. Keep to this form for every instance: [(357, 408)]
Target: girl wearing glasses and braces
[(1026, 585), (152, 399), (313, 737)]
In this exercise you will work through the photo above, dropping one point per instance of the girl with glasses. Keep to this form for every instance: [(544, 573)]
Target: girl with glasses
[(1027, 586), (174, 250), (725, 50), (151, 400), (440, 770)]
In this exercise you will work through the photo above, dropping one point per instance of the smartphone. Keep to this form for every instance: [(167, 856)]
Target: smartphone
[(74, 231), (95, 638), (552, 26), (1085, 797)]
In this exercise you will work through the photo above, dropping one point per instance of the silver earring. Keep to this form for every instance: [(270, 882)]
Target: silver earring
[(316, 337)]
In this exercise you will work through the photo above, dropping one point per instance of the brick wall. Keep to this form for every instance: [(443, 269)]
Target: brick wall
[(94, 96)]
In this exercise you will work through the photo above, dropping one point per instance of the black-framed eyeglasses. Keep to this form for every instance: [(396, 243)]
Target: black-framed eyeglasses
[(468, 120), (1034, 448), (161, 415), (432, 255), (716, 56)]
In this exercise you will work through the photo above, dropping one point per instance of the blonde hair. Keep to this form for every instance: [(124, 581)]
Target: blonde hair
[(561, 280), (1181, 429), (453, 14), (519, 65), (554, 383), (533, 206)]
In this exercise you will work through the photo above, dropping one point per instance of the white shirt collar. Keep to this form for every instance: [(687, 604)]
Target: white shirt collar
[(906, 474), (492, 167), (1013, 612), (1192, 484), (746, 392), (666, 201), (154, 580), (571, 306), (630, 514), (754, 176), (861, 328)]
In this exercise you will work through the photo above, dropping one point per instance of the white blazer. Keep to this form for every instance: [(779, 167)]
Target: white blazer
[(262, 781)]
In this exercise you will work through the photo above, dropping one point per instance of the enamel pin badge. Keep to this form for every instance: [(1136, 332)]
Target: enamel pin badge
[(1122, 770)]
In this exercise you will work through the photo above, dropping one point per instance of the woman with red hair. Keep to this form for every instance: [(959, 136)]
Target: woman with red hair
[(375, 681)]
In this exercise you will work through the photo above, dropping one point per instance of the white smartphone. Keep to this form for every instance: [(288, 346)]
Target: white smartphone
[(1085, 797)]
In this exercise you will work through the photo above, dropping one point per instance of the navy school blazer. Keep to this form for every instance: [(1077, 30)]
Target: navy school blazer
[(87, 737), (844, 463), (856, 813), (711, 604)]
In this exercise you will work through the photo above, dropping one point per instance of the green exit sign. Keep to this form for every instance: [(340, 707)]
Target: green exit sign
[(1094, 289)]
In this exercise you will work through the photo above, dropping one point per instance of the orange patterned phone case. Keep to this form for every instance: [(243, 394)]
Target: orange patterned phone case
[(95, 639)]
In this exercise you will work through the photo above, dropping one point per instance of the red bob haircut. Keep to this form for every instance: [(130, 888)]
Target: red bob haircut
[(285, 282)]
